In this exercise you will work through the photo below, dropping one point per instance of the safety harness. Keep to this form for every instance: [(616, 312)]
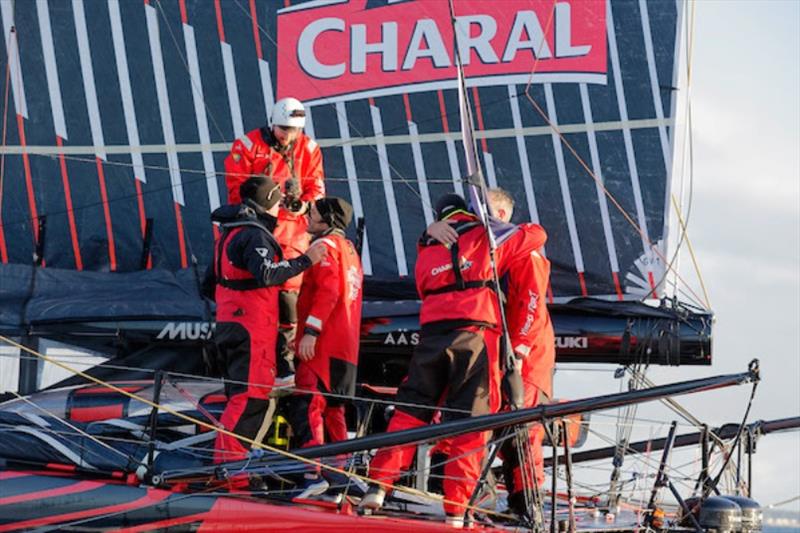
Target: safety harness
[(240, 284), (461, 228)]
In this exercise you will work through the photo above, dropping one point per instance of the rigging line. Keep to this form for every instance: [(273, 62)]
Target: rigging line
[(684, 224), (691, 252), (683, 412), (783, 502), (11, 428), (543, 42), (199, 171), (75, 361), (154, 190), (80, 431), (242, 438), (738, 439), (336, 142), (687, 153), (608, 194), (690, 42), (197, 89), (634, 454), (434, 118), (351, 125), (582, 163)]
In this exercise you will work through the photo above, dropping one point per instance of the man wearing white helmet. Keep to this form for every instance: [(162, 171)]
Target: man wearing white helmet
[(293, 160)]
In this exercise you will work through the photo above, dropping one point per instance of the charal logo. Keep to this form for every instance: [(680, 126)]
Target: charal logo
[(186, 331), (465, 264), (352, 49)]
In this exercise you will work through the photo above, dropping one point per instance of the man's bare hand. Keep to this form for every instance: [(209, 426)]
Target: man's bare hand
[(443, 231), (305, 350), (317, 252)]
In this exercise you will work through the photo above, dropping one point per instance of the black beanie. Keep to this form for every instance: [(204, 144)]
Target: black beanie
[(449, 203), (262, 190), (336, 212)]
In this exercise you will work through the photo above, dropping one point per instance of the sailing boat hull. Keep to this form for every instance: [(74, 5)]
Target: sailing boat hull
[(32, 500)]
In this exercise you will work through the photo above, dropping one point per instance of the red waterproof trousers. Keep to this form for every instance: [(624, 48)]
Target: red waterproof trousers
[(456, 369)]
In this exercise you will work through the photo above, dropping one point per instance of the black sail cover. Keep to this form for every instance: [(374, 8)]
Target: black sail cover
[(118, 116)]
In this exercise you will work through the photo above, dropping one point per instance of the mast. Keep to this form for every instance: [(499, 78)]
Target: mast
[(476, 185)]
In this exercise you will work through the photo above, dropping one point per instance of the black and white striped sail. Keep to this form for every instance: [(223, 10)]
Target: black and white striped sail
[(122, 111)]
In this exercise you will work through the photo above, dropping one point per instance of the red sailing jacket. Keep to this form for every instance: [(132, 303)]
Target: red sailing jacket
[(253, 154), (444, 297), (330, 305), (529, 322)]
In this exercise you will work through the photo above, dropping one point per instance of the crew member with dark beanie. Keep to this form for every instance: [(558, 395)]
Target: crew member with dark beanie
[(329, 322)]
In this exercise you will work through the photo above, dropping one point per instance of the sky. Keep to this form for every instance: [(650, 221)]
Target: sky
[(744, 227), (746, 223)]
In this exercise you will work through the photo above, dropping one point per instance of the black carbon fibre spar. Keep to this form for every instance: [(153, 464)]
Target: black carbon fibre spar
[(521, 416)]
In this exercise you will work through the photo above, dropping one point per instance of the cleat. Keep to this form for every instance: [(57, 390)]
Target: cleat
[(312, 487), (373, 499)]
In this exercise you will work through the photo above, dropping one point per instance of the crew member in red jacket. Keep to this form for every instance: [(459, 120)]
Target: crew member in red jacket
[(531, 335), (455, 363), (533, 342), (294, 161), (248, 267), (329, 313)]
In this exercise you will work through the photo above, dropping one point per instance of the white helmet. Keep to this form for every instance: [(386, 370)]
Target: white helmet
[(289, 112)]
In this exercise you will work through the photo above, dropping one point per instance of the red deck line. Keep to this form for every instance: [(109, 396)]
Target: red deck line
[(50, 493), (13, 474), (101, 178), (184, 17), (479, 116), (617, 286), (181, 237), (583, 284), (443, 112), (73, 230), (220, 25), (407, 105), (28, 179), (254, 20), (152, 497)]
